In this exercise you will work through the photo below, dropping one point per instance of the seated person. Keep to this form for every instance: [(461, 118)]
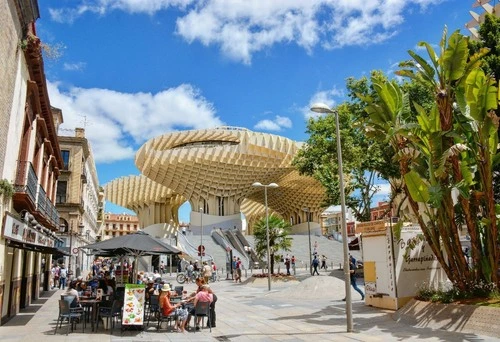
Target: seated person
[(167, 308), (71, 291), (204, 295), (80, 286), (200, 282)]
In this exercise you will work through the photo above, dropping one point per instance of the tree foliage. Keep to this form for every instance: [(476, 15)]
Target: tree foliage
[(364, 159), (489, 33), (279, 237), (446, 153)]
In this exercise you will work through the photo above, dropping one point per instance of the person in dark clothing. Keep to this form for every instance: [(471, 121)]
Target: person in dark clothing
[(352, 271), (315, 264), (212, 320)]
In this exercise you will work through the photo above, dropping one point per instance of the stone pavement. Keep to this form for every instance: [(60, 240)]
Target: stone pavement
[(305, 310)]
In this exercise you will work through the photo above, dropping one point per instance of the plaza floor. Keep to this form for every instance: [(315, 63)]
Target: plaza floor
[(306, 310)]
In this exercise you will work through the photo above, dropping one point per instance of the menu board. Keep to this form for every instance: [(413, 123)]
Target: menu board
[(133, 307)]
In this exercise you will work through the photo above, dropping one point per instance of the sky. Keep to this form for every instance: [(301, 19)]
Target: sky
[(131, 70)]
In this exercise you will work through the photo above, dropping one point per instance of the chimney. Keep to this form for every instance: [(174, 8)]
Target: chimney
[(79, 132)]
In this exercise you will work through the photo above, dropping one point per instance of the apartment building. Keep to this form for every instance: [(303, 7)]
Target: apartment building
[(30, 161), (78, 201), (119, 224)]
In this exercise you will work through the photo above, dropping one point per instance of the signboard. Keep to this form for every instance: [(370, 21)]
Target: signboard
[(373, 227), (19, 231), (201, 250), (133, 304), (415, 266)]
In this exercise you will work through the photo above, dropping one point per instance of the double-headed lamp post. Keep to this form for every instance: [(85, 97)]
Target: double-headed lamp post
[(324, 109), (271, 185), (307, 211)]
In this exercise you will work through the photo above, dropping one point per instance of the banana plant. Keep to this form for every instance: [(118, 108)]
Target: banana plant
[(446, 154)]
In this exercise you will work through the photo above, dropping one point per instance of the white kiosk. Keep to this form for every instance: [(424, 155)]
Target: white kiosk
[(393, 273)]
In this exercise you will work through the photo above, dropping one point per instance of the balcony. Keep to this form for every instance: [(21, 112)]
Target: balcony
[(29, 11), (26, 182), (31, 196)]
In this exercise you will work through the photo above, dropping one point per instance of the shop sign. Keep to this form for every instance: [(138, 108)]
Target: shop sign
[(19, 231), (373, 227)]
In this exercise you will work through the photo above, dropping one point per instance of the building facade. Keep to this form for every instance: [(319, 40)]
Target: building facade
[(30, 161), (119, 224), (77, 201)]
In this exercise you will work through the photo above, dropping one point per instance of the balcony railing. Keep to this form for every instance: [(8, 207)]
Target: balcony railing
[(42, 201), (26, 180)]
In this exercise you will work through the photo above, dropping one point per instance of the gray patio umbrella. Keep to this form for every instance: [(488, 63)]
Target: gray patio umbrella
[(137, 245)]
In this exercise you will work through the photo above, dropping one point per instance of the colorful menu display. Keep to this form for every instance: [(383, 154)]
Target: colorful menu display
[(133, 307)]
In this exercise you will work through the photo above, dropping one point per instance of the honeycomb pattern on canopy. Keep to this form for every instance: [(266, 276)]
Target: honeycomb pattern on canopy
[(153, 202), (223, 162)]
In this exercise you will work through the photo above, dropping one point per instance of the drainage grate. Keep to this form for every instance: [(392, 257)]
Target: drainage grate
[(222, 338)]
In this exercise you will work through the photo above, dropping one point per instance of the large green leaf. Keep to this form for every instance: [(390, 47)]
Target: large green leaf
[(418, 188), (455, 56)]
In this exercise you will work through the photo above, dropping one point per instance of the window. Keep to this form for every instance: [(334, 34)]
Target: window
[(61, 192), (65, 158)]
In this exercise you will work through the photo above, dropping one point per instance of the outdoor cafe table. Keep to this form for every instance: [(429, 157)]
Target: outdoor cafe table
[(93, 305)]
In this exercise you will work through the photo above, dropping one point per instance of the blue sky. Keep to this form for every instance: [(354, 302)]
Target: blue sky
[(131, 70)]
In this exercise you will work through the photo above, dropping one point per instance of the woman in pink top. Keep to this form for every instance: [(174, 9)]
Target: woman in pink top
[(204, 295)]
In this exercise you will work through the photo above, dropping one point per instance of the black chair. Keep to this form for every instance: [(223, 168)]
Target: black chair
[(153, 308), (71, 315), (75, 307), (110, 312), (178, 290), (202, 309), (172, 317)]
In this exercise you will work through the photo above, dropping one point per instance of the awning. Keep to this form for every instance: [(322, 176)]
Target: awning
[(35, 248)]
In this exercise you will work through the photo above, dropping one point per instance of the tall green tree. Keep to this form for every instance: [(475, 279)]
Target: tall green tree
[(279, 237), (364, 159), (447, 153)]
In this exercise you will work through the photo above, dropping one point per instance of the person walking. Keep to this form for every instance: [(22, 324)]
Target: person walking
[(323, 263), (239, 266), (206, 272), (287, 264), (315, 264), (352, 271), (63, 273), (293, 260), (162, 267)]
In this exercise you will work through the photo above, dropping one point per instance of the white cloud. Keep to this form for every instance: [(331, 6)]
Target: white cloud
[(118, 123), (384, 189), (79, 66), (323, 96), (241, 28), (277, 124)]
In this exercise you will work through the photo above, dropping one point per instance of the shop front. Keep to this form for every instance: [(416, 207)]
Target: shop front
[(26, 267)]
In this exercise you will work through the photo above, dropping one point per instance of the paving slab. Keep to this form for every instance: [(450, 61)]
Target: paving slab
[(305, 310)]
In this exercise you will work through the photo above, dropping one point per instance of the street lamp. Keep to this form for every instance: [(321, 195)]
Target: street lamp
[(324, 109), (202, 249), (309, 231), (272, 185)]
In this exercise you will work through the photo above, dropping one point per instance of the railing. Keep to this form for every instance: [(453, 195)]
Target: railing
[(221, 239), (52, 213), (42, 201), (26, 180)]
